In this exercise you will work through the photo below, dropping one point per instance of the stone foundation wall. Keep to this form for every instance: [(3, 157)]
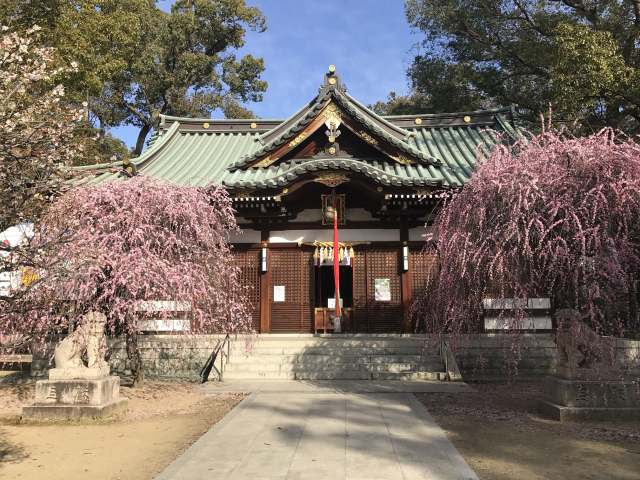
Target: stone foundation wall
[(495, 356), (169, 356), (479, 356)]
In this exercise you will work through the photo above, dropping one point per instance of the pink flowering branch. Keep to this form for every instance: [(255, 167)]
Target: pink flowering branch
[(131, 241), (550, 216)]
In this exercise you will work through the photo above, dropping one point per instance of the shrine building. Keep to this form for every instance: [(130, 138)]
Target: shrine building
[(386, 174)]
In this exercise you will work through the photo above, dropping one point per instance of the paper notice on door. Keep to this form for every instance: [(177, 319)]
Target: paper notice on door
[(382, 288), (278, 293)]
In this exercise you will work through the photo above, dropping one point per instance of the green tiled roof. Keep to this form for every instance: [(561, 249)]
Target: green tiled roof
[(201, 152)]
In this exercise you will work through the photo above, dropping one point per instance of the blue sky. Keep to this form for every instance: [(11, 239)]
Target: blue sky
[(369, 41)]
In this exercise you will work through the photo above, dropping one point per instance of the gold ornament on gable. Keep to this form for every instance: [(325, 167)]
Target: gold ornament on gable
[(332, 116)]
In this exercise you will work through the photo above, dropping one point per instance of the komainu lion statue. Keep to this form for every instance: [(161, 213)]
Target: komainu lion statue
[(89, 337), (579, 346)]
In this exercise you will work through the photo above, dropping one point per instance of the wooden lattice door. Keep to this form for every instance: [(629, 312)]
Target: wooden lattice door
[(291, 292), (385, 316), (382, 267), (422, 265), (249, 262)]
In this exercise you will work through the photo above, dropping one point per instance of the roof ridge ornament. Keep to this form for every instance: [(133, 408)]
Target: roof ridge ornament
[(332, 81)]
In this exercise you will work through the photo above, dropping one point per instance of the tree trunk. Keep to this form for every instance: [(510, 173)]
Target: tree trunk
[(135, 359), (142, 135)]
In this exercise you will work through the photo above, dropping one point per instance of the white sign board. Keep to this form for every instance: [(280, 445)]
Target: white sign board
[(278, 293)]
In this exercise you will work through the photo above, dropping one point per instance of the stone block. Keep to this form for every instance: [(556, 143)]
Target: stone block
[(79, 373), (592, 393), (78, 392), (563, 413), (75, 399), (576, 399), (74, 412)]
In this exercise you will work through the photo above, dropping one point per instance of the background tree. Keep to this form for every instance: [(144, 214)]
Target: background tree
[(549, 217), (581, 56), (100, 37), (40, 137), (129, 241), (189, 66), (136, 62)]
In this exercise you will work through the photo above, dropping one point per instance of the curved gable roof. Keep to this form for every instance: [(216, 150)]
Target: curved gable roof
[(202, 151)]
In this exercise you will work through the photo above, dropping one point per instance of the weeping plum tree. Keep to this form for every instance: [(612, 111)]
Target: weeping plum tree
[(550, 216), (131, 241)]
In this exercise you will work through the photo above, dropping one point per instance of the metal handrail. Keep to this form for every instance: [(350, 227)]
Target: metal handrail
[(450, 364), (211, 361)]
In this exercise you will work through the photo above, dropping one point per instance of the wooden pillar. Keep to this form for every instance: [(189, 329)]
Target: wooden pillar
[(405, 280), (265, 285)]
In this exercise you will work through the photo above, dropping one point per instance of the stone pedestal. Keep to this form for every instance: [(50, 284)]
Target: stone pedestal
[(589, 399), (72, 399)]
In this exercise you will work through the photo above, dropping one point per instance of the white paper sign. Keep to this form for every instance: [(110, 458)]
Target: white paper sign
[(278, 293), (382, 289), (331, 303)]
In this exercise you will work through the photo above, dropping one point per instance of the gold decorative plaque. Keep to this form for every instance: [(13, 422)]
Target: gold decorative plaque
[(404, 160), (368, 138), (253, 125), (332, 116), (265, 162), (418, 121), (298, 140), (205, 125), (331, 179)]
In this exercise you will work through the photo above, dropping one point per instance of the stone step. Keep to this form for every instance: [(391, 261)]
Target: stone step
[(328, 351), (334, 342), (382, 367), (410, 376), (294, 358), (335, 375)]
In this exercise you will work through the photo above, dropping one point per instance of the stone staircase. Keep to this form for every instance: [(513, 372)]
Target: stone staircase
[(333, 357)]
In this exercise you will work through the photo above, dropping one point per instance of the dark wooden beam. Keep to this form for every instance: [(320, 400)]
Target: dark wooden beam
[(265, 285), (405, 281)]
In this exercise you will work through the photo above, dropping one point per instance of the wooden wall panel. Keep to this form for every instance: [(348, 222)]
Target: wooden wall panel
[(422, 264), (360, 296), (307, 284), (249, 262)]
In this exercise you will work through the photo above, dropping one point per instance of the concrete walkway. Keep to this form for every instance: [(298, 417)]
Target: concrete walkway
[(320, 435)]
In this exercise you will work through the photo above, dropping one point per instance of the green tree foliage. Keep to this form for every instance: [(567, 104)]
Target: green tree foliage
[(580, 56), (135, 62), (190, 66)]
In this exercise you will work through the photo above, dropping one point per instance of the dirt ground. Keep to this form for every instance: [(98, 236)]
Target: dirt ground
[(164, 418), (501, 436)]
